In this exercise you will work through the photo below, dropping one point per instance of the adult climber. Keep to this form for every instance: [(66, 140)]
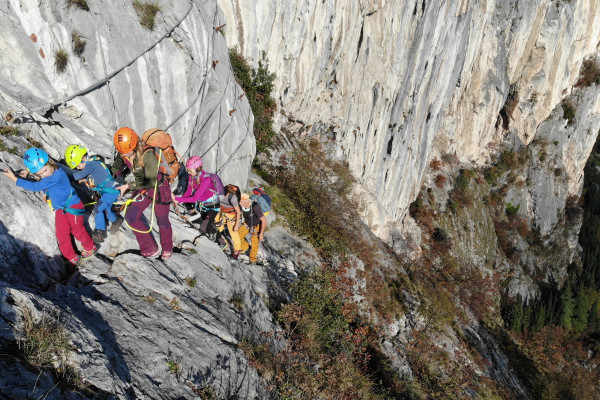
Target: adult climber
[(150, 187), (255, 224), (201, 192)]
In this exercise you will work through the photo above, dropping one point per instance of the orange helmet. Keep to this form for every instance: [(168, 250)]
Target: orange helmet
[(125, 140)]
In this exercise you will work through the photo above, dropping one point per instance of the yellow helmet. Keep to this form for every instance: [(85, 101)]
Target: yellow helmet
[(74, 154)]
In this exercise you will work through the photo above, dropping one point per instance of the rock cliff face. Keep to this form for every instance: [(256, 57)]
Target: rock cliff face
[(176, 76), (396, 83)]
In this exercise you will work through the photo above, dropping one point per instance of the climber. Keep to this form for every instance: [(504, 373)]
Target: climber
[(202, 192), (150, 187), (99, 180), (255, 224), (231, 214), (68, 208)]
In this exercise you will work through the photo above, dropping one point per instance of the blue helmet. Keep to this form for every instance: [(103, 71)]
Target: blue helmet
[(35, 159)]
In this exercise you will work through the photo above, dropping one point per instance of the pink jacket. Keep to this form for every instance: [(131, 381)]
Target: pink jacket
[(200, 188)]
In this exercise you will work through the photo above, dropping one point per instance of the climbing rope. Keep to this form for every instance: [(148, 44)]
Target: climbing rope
[(153, 201)]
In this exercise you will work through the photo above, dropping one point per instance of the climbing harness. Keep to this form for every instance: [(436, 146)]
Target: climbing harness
[(153, 203)]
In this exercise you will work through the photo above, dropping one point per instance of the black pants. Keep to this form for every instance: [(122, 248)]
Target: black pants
[(208, 222)]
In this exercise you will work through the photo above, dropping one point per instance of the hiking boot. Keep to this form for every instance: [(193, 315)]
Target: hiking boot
[(243, 257), (114, 227), (98, 235), (165, 255), (152, 255), (236, 254), (85, 254)]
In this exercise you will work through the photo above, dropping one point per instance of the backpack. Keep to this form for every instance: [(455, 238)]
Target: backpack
[(236, 191), (263, 199), (217, 184), (161, 142)]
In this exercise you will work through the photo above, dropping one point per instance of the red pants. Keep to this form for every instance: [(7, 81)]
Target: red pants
[(67, 224)]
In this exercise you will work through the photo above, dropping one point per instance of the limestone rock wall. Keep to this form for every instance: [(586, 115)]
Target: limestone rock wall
[(176, 76), (396, 83)]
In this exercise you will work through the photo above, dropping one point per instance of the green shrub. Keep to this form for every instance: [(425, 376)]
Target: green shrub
[(257, 85), (512, 210), (78, 44), (147, 13), (306, 176), (569, 111), (173, 367), (589, 73), (61, 59)]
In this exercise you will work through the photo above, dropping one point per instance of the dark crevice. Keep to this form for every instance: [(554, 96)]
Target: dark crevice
[(389, 145), (360, 39)]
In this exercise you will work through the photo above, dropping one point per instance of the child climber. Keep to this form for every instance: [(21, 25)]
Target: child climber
[(99, 180), (201, 191), (150, 187), (68, 208)]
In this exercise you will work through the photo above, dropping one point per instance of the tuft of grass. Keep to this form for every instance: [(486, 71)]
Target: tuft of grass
[(237, 301), (79, 3), (147, 13), (191, 282), (173, 367), (149, 299), (78, 44), (9, 131), (174, 303), (35, 143), (61, 59), (45, 346)]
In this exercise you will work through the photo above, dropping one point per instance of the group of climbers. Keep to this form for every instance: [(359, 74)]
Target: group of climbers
[(215, 205)]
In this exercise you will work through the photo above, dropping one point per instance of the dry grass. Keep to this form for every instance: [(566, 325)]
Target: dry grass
[(78, 44), (61, 59), (147, 13)]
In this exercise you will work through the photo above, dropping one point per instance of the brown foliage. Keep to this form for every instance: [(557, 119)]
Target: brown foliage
[(435, 164), (440, 180)]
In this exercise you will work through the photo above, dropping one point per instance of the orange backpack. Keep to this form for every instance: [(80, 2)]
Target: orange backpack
[(160, 141)]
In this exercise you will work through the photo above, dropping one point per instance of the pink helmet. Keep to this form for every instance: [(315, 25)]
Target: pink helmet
[(194, 162)]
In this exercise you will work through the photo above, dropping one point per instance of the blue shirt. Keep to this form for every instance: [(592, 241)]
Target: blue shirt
[(58, 187), (96, 171)]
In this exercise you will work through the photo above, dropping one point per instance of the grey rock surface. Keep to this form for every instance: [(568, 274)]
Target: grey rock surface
[(394, 84), (176, 77)]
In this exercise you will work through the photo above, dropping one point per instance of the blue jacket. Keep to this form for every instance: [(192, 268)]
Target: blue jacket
[(98, 174), (56, 185)]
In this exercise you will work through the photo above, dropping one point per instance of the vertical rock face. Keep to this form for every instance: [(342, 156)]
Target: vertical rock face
[(396, 83), (176, 76)]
